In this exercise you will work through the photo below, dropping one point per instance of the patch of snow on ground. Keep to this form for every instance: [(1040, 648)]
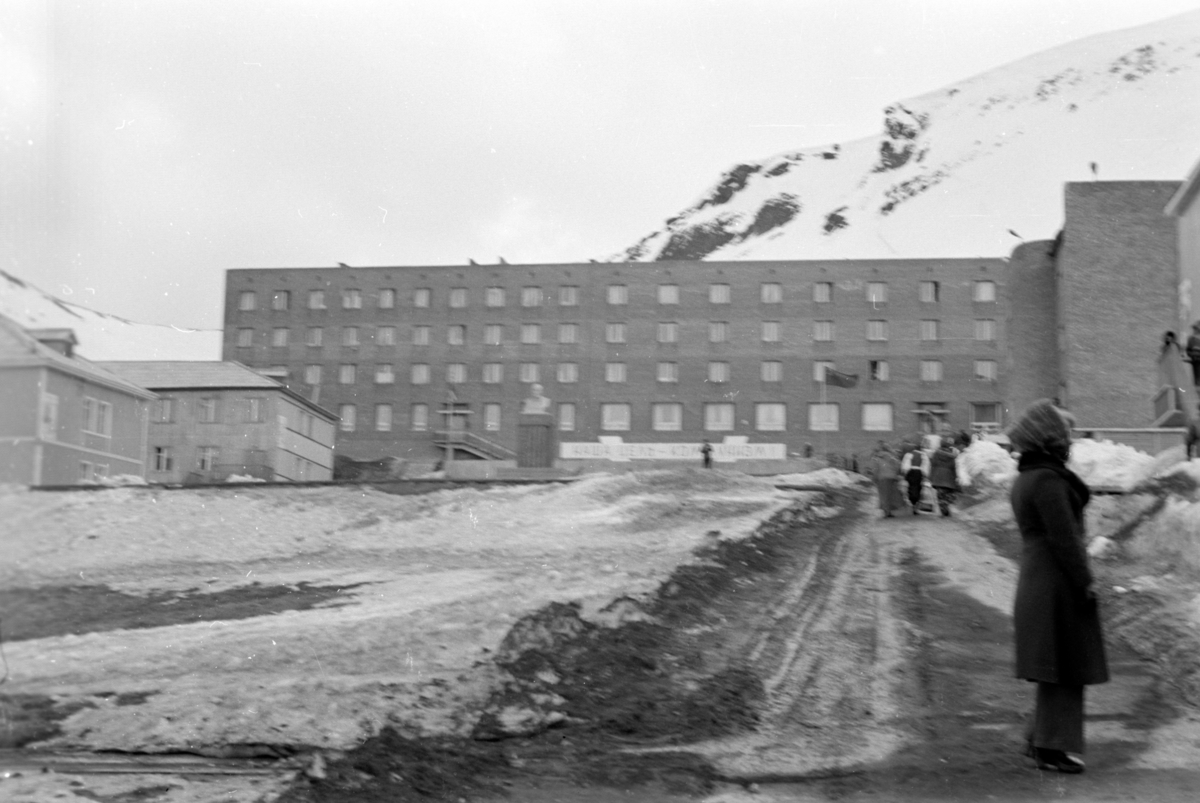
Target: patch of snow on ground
[(823, 478), (987, 461), (1105, 464)]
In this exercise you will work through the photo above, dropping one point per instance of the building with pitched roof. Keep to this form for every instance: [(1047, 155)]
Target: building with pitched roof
[(63, 419), (217, 420)]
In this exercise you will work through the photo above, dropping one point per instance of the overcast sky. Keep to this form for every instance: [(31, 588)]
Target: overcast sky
[(149, 145)]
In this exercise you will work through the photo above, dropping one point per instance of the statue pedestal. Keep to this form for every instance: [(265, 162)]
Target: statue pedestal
[(536, 442)]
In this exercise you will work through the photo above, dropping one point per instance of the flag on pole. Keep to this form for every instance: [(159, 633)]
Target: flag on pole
[(840, 380)]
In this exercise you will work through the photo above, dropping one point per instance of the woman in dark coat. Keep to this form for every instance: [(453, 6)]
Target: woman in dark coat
[(1059, 644), (943, 475)]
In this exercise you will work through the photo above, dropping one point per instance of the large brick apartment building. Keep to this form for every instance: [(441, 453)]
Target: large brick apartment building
[(675, 352)]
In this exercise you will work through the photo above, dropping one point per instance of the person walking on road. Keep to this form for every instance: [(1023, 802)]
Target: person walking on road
[(943, 475), (885, 469), (706, 451), (1059, 642), (915, 469)]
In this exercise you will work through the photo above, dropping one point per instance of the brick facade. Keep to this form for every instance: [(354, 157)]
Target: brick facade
[(1032, 361)]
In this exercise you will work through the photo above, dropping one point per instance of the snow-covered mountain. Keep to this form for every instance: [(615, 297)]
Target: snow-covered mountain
[(102, 336), (968, 170)]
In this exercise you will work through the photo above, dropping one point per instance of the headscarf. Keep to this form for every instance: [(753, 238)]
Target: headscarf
[(1043, 428)]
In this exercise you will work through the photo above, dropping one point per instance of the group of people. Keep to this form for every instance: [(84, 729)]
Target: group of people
[(900, 479), (1059, 642)]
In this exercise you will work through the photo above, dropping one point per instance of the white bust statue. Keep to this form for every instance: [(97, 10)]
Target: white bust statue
[(537, 402)]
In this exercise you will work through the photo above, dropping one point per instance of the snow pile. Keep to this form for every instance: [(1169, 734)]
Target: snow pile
[(985, 463), (243, 478), (1104, 464), (823, 478)]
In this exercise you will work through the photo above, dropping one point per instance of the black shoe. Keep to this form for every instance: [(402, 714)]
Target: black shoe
[(1057, 761)]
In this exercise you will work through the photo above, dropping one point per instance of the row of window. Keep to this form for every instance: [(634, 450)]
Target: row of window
[(670, 416), (492, 373), (930, 292), (614, 332), (208, 410)]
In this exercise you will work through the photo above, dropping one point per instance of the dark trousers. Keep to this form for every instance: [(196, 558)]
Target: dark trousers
[(1057, 722), (914, 478)]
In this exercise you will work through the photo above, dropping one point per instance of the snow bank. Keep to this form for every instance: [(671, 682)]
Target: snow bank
[(1104, 464), (823, 478), (987, 462)]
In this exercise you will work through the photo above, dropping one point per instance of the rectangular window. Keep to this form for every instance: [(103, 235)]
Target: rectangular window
[(247, 301), (772, 331), (316, 299), (350, 336), (719, 294), (879, 370), (823, 292), (383, 418), (718, 331), (458, 297), (985, 329), (419, 374), (877, 330), (245, 338), (418, 417), (614, 417), (255, 410), (279, 299), (666, 417), (315, 337), (385, 335), (531, 296), (491, 417), (385, 374), (456, 334), (352, 299), (494, 297), (668, 294), (312, 374), (206, 410), (819, 368), (164, 411), (877, 417), (566, 417), (531, 333), (163, 459), (877, 292), (770, 417), (207, 458), (985, 370), (347, 374), (929, 330), (568, 333), (929, 292), (718, 417), (668, 332), (822, 417), (493, 373), (86, 471), (529, 372), (279, 337), (456, 373), (985, 291), (771, 371), (931, 370), (387, 299), (987, 413), (422, 297), (48, 426), (618, 294), (614, 333), (718, 372), (493, 334), (614, 372), (823, 331), (348, 414), (772, 293), (668, 372), (568, 372), (420, 335), (568, 296)]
